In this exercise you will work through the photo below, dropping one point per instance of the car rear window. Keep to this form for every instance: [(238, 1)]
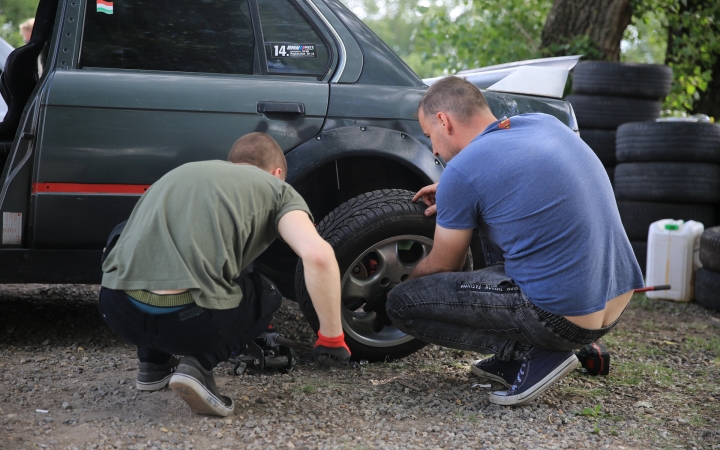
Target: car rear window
[(211, 36), (292, 45)]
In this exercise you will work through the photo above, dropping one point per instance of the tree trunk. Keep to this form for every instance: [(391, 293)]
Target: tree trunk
[(602, 21)]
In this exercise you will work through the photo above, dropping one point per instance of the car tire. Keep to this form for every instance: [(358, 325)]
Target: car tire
[(602, 143), (669, 141), (373, 227), (640, 250), (650, 81), (707, 289), (608, 113), (668, 182), (710, 249), (637, 216)]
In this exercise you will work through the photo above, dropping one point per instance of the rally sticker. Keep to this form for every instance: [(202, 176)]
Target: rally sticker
[(12, 228), (285, 50), (104, 7)]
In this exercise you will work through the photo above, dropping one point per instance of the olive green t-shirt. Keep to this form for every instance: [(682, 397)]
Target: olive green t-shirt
[(197, 227)]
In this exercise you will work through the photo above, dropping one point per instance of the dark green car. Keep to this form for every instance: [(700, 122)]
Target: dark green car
[(130, 90)]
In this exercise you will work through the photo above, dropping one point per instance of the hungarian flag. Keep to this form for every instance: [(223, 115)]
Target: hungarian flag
[(104, 7)]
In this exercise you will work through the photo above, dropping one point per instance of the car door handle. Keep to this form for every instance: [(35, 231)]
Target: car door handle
[(280, 107)]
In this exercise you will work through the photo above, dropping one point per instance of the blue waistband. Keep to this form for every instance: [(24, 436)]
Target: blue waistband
[(155, 309)]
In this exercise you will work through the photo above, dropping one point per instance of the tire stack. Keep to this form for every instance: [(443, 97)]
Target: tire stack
[(666, 170), (707, 279), (609, 94)]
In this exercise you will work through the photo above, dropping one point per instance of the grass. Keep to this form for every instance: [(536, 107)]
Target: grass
[(638, 373), (710, 345), (308, 388)]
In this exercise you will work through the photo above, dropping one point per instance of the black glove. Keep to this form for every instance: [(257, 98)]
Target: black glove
[(331, 352)]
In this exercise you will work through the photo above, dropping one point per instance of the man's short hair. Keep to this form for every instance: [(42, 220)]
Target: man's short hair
[(453, 95), (258, 149), (27, 25)]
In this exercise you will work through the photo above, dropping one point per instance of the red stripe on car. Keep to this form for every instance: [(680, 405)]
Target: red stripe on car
[(87, 188)]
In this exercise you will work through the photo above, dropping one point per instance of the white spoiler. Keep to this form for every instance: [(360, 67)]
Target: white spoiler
[(5, 50), (543, 77)]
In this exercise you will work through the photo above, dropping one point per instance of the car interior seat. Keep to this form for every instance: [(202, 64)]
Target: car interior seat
[(20, 75)]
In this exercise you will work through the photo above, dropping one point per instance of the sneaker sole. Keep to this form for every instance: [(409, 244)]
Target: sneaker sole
[(153, 386), (198, 397), (482, 374), (528, 396)]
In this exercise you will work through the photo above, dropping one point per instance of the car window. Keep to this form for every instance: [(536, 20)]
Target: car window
[(211, 36), (292, 45)]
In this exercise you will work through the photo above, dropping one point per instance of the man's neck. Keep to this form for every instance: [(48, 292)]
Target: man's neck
[(477, 125)]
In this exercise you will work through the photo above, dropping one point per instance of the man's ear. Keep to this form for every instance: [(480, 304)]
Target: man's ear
[(444, 122), (278, 173)]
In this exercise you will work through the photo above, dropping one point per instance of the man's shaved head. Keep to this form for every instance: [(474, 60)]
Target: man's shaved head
[(258, 149), (455, 96)]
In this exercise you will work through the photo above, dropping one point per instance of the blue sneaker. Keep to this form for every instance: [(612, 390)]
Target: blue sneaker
[(537, 373), (504, 372)]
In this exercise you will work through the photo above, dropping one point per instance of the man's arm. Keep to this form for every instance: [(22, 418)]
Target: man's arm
[(322, 275), (448, 253)]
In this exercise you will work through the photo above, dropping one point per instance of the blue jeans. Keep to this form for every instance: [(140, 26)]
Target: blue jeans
[(483, 311)]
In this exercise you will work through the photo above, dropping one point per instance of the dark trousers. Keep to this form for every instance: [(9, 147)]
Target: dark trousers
[(484, 311), (212, 334)]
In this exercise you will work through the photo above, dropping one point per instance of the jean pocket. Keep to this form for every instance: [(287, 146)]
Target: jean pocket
[(504, 287), (491, 279)]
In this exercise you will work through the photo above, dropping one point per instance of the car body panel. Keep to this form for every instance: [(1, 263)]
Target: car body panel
[(104, 134)]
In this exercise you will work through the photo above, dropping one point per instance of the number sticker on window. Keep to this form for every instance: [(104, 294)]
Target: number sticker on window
[(285, 50)]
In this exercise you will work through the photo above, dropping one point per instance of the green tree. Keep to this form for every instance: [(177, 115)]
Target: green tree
[(463, 34), (12, 14)]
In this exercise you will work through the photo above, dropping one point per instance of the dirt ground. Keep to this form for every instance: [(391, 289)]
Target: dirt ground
[(66, 382)]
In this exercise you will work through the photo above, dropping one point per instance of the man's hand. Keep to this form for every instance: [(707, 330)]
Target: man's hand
[(331, 352), (428, 196)]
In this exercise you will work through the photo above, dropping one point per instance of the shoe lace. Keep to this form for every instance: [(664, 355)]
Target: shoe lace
[(519, 378)]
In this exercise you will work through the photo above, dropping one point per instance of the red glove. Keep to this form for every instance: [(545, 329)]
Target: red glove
[(331, 352)]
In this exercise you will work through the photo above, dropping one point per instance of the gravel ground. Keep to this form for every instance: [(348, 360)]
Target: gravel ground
[(67, 382)]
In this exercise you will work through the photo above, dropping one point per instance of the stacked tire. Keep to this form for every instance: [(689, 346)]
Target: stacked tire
[(707, 279), (609, 94), (666, 170)]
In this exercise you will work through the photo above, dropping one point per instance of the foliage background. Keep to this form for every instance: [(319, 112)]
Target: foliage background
[(437, 37), (12, 14)]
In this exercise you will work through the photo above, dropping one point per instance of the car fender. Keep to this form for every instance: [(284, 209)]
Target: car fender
[(342, 142)]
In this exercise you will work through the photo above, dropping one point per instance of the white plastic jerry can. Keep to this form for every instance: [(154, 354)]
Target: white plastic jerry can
[(672, 258)]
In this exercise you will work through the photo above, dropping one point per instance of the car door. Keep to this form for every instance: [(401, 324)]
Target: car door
[(142, 87)]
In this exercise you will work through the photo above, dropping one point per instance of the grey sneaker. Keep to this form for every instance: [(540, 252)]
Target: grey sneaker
[(196, 386), (540, 370), (153, 377), (504, 372)]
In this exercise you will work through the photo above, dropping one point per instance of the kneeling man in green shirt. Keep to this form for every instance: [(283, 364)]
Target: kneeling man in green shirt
[(179, 279)]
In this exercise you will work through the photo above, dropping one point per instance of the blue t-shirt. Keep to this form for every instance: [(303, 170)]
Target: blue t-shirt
[(538, 191)]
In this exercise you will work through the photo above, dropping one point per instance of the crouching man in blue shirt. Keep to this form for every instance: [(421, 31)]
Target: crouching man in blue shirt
[(542, 200)]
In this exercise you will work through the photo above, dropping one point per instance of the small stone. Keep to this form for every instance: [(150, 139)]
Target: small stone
[(643, 405), (66, 405), (80, 349)]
